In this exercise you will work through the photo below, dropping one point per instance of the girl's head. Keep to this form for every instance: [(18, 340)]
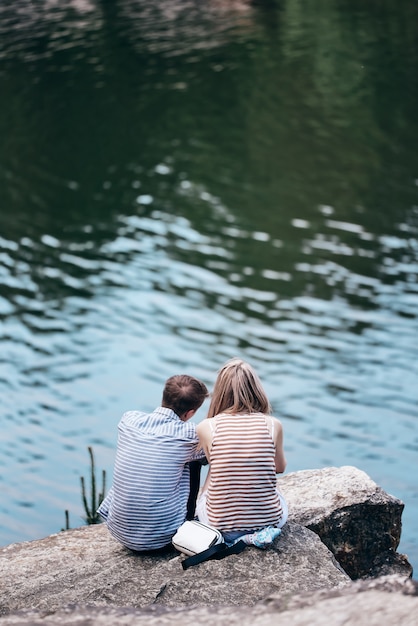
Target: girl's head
[(238, 390)]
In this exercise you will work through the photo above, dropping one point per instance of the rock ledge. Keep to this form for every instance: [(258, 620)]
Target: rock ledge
[(339, 521)]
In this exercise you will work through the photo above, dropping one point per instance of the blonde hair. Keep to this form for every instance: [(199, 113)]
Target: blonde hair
[(238, 390)]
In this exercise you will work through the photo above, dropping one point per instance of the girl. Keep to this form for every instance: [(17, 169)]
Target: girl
[(244, 446)]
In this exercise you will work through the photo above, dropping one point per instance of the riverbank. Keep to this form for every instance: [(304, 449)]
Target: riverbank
[(336, 516)]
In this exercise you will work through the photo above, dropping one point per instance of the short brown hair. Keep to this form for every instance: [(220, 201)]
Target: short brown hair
[(238, 390), (183, 393)]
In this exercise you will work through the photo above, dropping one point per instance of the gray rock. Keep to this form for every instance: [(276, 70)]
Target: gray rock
[(382, 602), (358, 521), (87, 566), (84, 577)]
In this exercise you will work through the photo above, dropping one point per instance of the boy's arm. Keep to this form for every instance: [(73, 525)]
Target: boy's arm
[(198, 454)]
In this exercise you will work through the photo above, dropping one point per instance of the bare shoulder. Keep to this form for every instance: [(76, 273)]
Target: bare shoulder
[(203, 427), (278, 428)]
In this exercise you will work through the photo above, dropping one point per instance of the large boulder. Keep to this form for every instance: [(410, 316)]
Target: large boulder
[(380, 602), (85, 577), (87, 566), (358, 521)]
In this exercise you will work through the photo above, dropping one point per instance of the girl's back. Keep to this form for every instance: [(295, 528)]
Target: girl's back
[(242, 492)]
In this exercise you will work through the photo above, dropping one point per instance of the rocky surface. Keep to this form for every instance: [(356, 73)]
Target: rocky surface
[(87, 566), (358, 521), (386, 601), (83, 576)]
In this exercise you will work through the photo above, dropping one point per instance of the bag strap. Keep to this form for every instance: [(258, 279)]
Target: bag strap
[(217, 552)]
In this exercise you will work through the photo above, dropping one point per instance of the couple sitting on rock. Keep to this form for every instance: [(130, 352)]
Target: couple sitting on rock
[(159, 455)]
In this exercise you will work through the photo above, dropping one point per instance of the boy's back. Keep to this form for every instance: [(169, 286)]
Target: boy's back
[(148, 500)]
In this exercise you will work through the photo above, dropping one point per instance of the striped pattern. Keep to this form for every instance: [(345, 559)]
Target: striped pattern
[(148, 499), (242, 490)]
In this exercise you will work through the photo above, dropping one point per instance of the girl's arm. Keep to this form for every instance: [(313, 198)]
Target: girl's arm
[(279, 458), (204, 433)]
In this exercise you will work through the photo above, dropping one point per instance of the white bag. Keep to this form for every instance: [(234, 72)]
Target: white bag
[(194, 537)]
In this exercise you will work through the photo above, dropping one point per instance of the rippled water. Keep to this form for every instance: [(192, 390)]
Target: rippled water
[(181, 184)]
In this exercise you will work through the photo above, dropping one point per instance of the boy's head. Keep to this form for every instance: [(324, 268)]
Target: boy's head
[(184, 395)]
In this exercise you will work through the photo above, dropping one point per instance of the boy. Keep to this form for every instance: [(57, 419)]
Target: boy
[(149, 498)]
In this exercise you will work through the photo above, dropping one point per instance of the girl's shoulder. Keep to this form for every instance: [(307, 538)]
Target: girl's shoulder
[(205, 424)]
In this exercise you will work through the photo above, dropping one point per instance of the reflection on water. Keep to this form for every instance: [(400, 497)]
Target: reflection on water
[(185, 183)]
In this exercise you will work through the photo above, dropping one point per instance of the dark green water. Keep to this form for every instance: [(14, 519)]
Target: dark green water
[(185, 182)]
